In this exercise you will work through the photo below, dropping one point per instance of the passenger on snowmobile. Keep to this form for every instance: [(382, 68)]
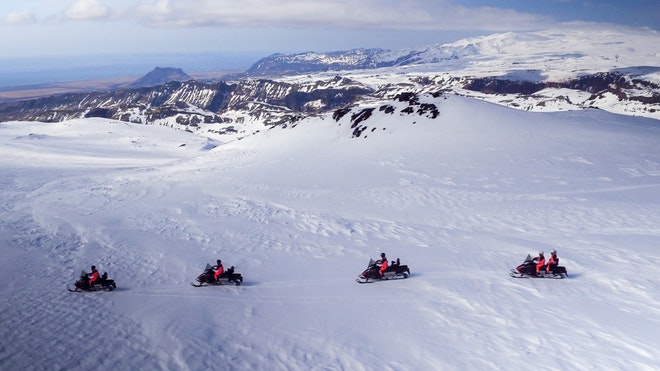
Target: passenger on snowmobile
[(218, 270), (382, 263), (540, 262), (93, 277), (553, 262)]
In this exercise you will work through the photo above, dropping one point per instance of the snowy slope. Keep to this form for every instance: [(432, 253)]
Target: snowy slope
[(572, 56), (546, 55), (461, 199)]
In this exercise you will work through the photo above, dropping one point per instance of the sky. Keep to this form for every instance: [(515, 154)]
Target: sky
[(78, 27), (65, 40)]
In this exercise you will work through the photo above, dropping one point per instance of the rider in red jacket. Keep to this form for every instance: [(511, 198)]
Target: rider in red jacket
[(383, 264), (540, 262), (552, 262), (219, 270), (94, 276)]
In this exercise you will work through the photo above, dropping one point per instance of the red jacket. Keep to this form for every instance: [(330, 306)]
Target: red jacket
[(93, 277), (540, 263), (383, 266), (220, 270)]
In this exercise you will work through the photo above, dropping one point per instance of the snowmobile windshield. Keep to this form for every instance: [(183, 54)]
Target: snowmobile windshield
[(371, 262), (83, 273), (208, 266), (528, 258)]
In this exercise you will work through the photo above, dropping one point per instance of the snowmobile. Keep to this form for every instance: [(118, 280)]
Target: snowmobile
[(528, 269), (206, 278), (394, 271), (103, 283)]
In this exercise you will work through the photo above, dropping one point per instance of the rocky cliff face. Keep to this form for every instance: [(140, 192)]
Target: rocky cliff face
[(134, 105), (313, 97), (613, 91), (191, 104)]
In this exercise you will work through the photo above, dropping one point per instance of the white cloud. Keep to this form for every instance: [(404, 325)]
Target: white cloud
[(86, 10), (363, 14), (19, 18)]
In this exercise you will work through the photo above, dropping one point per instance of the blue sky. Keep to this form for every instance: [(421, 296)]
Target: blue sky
[(72, 27)]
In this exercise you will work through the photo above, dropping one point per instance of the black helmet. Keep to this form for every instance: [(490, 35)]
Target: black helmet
[(93, 267), (382, 255), (219, 261)]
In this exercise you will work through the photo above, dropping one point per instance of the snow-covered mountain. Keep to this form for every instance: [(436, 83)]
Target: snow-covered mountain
[(614, 70), (295, 64), (552, 55), (355, 59)]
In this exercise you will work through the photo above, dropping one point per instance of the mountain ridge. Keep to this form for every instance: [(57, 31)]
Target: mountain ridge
[(514, 70)]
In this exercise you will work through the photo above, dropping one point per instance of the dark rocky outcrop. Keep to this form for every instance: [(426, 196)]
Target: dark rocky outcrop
[(159, 76)]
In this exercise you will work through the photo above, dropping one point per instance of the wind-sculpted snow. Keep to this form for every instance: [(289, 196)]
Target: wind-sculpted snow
[(461, 198)]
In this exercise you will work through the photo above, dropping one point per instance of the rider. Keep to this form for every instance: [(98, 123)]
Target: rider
[(219, 270), (552, 262), (93, 277), (382, 263), (540, 262)]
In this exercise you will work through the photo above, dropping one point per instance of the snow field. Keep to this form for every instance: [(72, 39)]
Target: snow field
[(299, 212)]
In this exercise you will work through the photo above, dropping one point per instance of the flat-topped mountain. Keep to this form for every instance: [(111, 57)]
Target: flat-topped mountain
[(159, 76)]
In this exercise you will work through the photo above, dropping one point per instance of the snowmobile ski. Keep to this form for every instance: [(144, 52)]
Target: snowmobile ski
[(516, 274), (364, 280)]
